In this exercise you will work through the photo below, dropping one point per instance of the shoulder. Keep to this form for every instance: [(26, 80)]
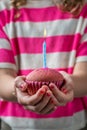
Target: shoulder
[(84, 11), (4, 4), (5, 7)]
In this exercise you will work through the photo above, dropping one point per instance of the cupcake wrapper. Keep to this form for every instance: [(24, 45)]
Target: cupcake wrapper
[(33, 86)]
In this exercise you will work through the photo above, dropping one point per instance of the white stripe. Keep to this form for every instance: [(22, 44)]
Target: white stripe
[(57, 27), (81, 25), (5, 4), (1, 99), (39, 4), (61, 59), (2, 6), (54, 60), (81, 59), (65, 123), (30, 4), (8, 65), (84, 38), (4, 44)]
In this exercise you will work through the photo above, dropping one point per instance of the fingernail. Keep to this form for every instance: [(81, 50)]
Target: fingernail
[(64, 90), (51, 86), (22, 86), (42, 92), (48, 94)]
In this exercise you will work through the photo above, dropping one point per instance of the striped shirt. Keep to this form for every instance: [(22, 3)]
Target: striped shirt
[(21, 40)]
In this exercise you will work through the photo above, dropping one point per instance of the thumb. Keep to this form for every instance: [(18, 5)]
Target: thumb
[(20, 83)]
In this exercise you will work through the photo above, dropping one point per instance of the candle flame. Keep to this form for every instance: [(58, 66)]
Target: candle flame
[(45, 32)]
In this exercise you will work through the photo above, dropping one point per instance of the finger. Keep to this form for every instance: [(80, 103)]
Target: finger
[(52, 110), (22, 97), (20, 83), (42, 104), (68, 81), (61, 97), (50, 94), (50, 107), (54, 100), (32, 108), (32, 100), (66, 76), (66, 88), (54, 89)]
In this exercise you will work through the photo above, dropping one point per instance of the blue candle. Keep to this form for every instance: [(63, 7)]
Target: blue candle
[(44, 54)]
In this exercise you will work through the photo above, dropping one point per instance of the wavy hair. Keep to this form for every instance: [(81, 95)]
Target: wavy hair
[(18, 3), (72, 6)]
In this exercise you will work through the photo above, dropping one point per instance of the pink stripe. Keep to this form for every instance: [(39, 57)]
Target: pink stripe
[(85, 31), (44, 14), (9, 109), (33, 15), (6, 56), (2, 16), (34, 45), (36, 15), (2, 34), (82, 51)]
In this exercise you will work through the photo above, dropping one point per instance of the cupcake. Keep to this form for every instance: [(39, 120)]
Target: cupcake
[(43, 76)]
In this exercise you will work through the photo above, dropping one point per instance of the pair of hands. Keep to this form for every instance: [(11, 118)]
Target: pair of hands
[(47, 98)]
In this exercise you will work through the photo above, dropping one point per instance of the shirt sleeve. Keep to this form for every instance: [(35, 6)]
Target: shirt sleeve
[(81, 55), (7, 59)]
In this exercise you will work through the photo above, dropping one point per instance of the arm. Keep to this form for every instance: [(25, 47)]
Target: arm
[(79, 78), (75, 84), (7, 77)]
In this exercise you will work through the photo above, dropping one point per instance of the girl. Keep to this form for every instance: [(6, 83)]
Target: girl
[(21, 37)]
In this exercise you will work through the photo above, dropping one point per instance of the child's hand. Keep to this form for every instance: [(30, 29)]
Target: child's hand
[(66, 94), (43, 102)]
